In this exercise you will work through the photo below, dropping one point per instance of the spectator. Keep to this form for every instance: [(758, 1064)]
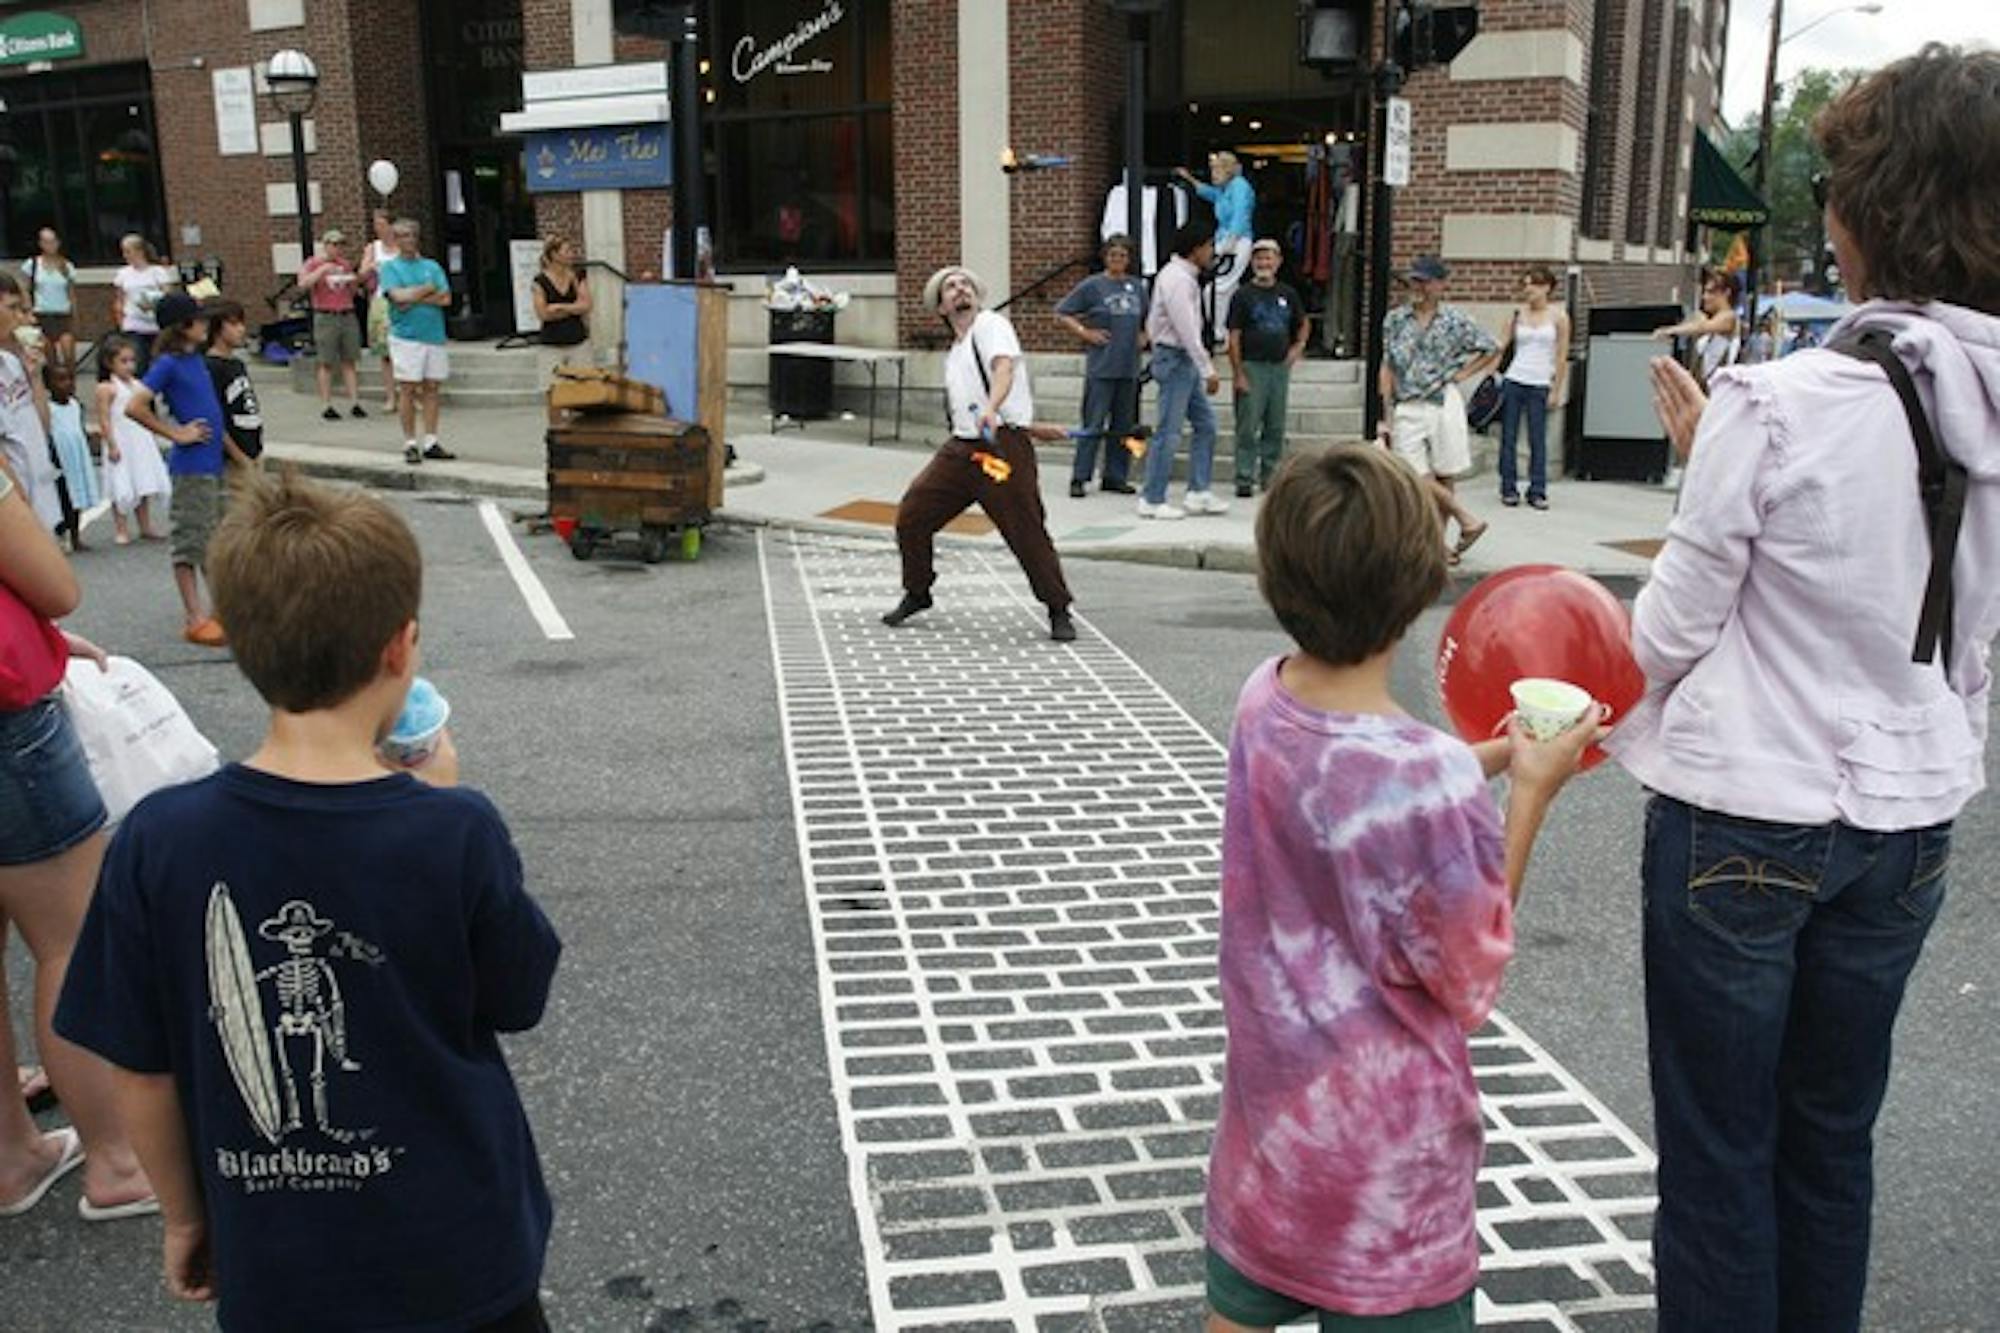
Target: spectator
[(24, 438), (1230, 194), (381, 249), (52, 285), (1713, 326), (1535, 381), (51, 843), (242, 416), (1807, 761), (1428, 350), (76, 484), (136, 290), (562, 304), (419, 293), (1185, 374), (1106, 312), (1267, 337), (331, 282), (134, 474)]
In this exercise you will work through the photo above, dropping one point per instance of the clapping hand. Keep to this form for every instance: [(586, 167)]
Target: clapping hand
[(1679, 402)]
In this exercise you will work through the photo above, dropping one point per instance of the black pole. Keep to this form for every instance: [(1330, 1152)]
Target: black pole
[(1135, 139), (686, 83), (299, 181), (1388, 82)]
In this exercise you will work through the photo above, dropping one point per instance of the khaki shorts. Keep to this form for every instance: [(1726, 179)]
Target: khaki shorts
[(1433, 438), (416, 362), (336, 338), (378, 325), (192, 515)]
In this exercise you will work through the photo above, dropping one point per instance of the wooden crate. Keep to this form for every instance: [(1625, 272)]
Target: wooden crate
[(629, 472)]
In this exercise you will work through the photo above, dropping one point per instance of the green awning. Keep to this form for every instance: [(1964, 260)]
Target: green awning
[(1720, 197)]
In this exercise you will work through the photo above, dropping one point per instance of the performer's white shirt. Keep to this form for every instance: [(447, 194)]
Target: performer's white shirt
[(967, 392)]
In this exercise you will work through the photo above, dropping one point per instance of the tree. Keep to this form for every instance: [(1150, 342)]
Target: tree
[(1793, 240)]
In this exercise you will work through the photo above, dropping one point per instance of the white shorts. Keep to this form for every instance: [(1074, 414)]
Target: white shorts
[(1433, 438), (415, 362)]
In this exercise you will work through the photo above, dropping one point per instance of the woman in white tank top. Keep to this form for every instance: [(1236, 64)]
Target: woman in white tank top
[(1716, 336), (379, 252), (1535, 345)]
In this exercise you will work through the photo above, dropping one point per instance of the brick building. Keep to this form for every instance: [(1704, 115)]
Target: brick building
[(861, 140)]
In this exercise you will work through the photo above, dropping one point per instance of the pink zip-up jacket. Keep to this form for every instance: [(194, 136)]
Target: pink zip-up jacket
[(1776, 630)]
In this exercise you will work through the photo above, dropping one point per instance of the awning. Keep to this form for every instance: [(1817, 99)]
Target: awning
[(1720, 197)]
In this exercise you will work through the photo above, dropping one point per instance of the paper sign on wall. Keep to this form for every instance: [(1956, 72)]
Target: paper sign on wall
[(235, 111)]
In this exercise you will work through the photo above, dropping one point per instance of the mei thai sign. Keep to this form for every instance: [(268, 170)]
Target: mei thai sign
[(26, 39), (605, 157), (783, 55)]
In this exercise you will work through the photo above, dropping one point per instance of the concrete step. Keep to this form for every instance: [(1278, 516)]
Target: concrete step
[(456, 395)]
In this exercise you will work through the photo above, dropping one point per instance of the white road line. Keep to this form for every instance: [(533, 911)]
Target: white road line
[(540, 604)]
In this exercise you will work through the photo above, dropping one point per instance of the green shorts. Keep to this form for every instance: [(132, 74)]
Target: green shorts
[(193, 513), (1243, 1301)]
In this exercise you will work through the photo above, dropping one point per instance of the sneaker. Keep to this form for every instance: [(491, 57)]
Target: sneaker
[(1243, 490), (412, 455), (1204, 502), (1511, 501), (1061, 628), (438, 453), (1076, 490), (358, 412), (1119, 488), (912, 603), (1538, 502), (208, 633), (1160, 511), (331, 413)]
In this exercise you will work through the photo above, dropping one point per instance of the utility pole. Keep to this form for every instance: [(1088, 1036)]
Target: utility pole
[(688, 187), (1757, 236)]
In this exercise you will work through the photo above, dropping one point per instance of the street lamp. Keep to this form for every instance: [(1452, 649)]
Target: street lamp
[(1778, 39), (1138, 19), (294, 83)]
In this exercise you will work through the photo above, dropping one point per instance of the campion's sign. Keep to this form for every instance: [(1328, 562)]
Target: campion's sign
[(28, 38), (781, 55)]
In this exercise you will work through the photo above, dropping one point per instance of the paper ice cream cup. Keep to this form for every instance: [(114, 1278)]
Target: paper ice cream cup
[(1548, 708), (28, 336), (414, 738)]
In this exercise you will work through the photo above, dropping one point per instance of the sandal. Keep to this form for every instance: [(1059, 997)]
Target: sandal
[(67, 1161), (1467, 536), (116, 1212)]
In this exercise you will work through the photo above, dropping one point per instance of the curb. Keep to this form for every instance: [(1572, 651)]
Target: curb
[(494, 480)]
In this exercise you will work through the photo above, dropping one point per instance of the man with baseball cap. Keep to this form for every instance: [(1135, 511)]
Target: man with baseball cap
[(989, 459), (329, 280), (1267, 337), (1428, 350)]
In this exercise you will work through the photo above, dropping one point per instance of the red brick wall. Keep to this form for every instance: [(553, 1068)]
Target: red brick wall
[(392, 117), (924, 35), (1646, 89)]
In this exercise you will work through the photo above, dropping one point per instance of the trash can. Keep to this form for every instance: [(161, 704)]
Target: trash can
[(801, 388)]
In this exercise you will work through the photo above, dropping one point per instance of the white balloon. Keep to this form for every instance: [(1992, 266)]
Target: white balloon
[(383, 176)]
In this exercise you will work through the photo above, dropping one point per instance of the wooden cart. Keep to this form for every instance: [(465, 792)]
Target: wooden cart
[(628, 473)]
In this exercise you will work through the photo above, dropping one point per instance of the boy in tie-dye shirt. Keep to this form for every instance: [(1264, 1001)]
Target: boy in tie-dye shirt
[(1367, 916)]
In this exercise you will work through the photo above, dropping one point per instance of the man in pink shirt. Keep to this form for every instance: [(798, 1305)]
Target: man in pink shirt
[(1368, 891), (1180, 363), (330, 283)]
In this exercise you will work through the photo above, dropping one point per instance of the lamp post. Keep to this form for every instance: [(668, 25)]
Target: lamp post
[(294, 83), (1778, 39), (1138, 18)]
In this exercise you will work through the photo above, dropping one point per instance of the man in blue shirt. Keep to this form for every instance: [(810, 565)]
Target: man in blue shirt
[(1235, 205), (418, 293)]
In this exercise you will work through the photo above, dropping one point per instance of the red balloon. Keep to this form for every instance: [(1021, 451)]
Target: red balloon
[(1535, 620)]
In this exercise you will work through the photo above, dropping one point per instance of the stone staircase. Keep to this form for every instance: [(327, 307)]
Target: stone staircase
[(481, 376)]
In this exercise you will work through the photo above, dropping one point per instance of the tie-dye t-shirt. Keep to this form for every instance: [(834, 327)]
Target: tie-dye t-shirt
[(1365, 926)]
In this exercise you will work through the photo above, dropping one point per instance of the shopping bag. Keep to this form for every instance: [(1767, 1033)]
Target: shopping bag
[(136, 736)]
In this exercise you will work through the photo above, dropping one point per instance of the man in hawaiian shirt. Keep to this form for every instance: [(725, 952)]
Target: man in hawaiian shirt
[(1428, 350)]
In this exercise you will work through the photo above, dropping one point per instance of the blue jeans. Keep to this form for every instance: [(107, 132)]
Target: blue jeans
[(1182, 394), (1532, 400), (1776, 957), (1112, 408)]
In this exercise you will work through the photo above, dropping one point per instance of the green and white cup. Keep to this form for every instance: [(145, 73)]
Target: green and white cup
[(1548, 708)]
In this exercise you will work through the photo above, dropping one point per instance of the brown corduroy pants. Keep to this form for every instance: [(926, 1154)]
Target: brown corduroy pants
[(952, 482)]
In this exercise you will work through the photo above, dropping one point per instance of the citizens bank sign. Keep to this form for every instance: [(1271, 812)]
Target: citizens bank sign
[(749, 59), (26, 39)]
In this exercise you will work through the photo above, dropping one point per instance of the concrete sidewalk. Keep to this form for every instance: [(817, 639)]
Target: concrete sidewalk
[(826, 478)]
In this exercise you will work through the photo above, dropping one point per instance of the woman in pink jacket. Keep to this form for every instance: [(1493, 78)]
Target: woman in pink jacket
[(1816, 711)]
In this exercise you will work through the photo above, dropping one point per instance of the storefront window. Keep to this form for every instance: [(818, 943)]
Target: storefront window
[(804, 158), (77, 152)]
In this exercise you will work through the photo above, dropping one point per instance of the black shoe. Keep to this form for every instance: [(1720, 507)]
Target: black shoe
[(358, 412), (332, 413), (1244, 490), (1538, 502), (1119, 488), (412, 455), (1061, 628), (439, 452), (1076, 490), (912, 603), (1511, 501)]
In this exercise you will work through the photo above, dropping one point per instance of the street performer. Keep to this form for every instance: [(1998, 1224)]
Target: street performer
[(990, 457)]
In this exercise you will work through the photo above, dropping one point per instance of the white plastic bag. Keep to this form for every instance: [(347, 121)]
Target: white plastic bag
[(136, 736)]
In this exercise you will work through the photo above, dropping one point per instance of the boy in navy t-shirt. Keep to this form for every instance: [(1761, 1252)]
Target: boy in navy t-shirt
[(179, 378), (300, 963)]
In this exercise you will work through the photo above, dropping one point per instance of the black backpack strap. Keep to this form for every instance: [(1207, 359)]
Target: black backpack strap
[(1942, 482)]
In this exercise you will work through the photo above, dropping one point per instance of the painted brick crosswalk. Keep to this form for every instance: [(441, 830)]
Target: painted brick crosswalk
[(1010, 850)]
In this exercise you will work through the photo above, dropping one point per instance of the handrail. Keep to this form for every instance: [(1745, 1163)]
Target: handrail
[(608, 267), (1082, 261)]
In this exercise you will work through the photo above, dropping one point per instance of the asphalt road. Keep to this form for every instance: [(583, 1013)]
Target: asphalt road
[(679, 1086)]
